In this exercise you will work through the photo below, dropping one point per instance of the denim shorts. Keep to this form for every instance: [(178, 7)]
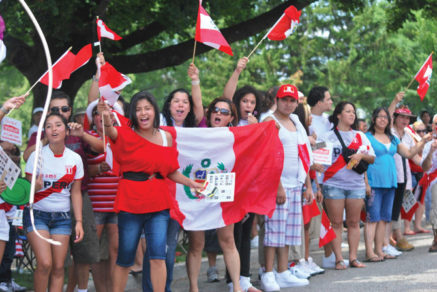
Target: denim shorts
[(103, 218), (379, 204), (129, 230), (334, 193), (53, 222)]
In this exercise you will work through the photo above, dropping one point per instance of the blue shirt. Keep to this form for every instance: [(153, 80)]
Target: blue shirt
[(382, 173)]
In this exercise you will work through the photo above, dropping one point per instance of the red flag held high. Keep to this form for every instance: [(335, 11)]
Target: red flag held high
[(111, 82), (424, 77), (327, 234), (106, 32), (208, 33), (285, 25), (67, 64)]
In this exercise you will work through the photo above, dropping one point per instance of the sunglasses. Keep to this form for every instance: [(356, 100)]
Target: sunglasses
[(421, 131), (223, 111), (57, 109)]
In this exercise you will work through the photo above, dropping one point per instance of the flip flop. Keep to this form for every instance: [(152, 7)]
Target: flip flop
[(341, 265), (356, 264), (423, 231), (374, 259), (410, 233), (389, 257)]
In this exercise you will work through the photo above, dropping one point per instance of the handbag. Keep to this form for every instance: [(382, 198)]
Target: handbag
[(361, 167)]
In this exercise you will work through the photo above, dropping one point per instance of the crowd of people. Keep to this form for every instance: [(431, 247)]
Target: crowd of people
[(108, 217)]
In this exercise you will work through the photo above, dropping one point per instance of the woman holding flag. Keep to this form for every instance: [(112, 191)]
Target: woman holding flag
[(146, 157), (343, 187)]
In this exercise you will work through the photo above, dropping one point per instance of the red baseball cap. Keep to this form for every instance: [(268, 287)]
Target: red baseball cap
[(288, 90)]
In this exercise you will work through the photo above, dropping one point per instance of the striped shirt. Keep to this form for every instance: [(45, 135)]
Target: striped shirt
[(102, 189)]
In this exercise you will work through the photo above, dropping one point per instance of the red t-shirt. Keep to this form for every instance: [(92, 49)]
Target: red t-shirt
[(134, 153)]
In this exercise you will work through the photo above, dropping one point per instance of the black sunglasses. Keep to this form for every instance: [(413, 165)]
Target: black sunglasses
[(421, 131), (223, 111), (57, 109)]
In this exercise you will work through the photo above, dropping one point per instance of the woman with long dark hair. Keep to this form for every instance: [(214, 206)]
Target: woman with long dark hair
[(343, 188), (146, 157), (383, 181)]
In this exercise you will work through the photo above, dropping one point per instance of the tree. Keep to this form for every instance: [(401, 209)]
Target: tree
[(157, 34)]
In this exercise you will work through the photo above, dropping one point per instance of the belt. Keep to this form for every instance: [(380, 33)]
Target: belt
[(141, 176)]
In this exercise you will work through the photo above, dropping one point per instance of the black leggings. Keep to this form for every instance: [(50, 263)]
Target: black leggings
[(397, 203), (242, 231)]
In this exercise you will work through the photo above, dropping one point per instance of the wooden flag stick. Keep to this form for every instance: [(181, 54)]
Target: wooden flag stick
[(414, 78), (194, 50), (36, 82), (104, 138), (100, 45), (256, 47)]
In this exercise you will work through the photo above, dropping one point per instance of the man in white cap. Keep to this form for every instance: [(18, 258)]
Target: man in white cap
[(36, 117)]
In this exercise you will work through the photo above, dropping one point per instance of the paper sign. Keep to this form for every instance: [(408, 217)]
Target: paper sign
[(323, 155), (11, 131), (219, 187), (18, 218), (408, 201), (9, 171)]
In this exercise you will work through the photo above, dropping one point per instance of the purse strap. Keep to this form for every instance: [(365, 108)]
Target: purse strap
[(339, 138)]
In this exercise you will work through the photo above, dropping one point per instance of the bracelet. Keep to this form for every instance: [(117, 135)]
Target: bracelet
[(95, 79), (195, 82), (5, 111)]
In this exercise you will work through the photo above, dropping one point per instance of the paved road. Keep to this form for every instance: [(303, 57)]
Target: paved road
[(412, 271)]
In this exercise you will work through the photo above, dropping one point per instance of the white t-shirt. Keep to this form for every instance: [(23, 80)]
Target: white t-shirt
[(243, 123), (345, 178), (320, 125), (425, 153), (408, 141), (58, 174)]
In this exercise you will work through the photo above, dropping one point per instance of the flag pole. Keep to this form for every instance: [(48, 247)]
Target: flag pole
[(265, 36), (100, 45), (194, 50), (409, 84)]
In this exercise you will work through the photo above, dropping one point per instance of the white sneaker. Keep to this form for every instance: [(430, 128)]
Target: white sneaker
[(254, 242), (16, 287), (287, 279), (268, 282), (304, 267), (212, 275), (261, 271), (316, 270), (5, 287), (390, 250), (245, 283), (298, 273), (329, 262)]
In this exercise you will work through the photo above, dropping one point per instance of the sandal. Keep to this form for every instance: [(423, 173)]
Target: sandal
[(374, 259), (356, 264), (340, 265), (389, 257)]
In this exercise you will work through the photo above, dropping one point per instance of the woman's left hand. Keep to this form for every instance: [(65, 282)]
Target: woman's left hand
[(356, 158), (79, 232), (368, 190), (2, 186)]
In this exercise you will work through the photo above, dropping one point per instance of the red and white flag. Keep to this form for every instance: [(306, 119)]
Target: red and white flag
[(424, 77), (105, 31), (285, 25), (309, 211), (67, 64), (111, 82), (208, 33), (327, 234), (254, 153)]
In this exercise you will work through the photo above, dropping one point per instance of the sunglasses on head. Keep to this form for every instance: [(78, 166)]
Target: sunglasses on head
[(223, 111), (57, 109)]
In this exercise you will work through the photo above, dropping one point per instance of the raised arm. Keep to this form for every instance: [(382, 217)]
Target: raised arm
[(94, 93), (110, 130), (196, 93), (398, 98), (13, 102), (231, 85)]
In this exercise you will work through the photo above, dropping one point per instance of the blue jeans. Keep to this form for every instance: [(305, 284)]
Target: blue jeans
[(53, 222), (334, 193), (8, 257), (380, 204), (172, 242), (129, 231)]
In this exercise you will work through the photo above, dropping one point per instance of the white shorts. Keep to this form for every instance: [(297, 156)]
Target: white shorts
[(4, 226)]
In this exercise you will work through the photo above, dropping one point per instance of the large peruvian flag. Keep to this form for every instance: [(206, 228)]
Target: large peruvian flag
[(111, 82), (208, 33), (285, 25), (67, 64), (253, 152), (424, 77)]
